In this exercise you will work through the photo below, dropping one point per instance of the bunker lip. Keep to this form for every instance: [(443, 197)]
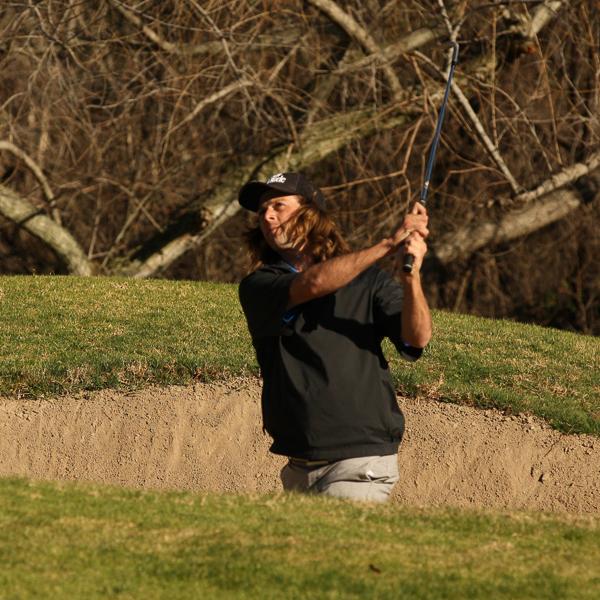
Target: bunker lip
[(208, 438)]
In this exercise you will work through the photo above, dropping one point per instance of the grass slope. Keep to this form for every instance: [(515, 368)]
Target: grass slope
[(65, 334), (80, 541)]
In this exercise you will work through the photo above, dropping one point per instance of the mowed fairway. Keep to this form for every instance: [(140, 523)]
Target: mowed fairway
[(62, 335), (74, 541)]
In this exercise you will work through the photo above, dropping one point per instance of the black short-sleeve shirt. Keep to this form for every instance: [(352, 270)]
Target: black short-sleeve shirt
[(327, 391)]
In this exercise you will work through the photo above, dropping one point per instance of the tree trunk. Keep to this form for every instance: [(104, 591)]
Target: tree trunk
[(33, 220), (551, 204)]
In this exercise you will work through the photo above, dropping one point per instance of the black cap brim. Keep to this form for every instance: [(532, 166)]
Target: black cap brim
[(251, 193)]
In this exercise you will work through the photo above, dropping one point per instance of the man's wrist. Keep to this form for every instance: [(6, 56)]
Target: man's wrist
[(386, 245), (412, 282)]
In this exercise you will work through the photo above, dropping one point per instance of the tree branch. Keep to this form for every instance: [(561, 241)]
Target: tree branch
[(426, 35), (562, 179), (323, 89), (412, 41), (39, 175), (317, 141), (466, 240), (320, 140), (281, 37), (542, 14), (222, 93), (33, 220), (552, 205), (483, 136), (167, 47), (353, 29)]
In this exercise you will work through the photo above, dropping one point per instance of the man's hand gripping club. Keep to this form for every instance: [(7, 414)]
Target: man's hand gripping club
[(411, 236), (329, 276)]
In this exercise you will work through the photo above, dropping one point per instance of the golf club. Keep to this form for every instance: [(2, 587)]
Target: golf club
[(409, 259)]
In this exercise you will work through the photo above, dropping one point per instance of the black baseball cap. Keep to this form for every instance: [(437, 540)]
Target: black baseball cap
[(284, 184)]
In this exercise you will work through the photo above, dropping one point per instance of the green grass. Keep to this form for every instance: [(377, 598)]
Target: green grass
[(81, 541), (510, 366), (65, 334)]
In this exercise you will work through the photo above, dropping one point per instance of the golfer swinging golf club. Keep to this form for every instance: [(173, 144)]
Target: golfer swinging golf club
[(317, 314)]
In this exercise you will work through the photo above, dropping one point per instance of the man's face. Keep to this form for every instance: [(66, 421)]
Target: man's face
[(272, 214)]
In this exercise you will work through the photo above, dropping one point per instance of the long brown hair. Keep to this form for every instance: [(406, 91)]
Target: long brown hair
[(309, 229)]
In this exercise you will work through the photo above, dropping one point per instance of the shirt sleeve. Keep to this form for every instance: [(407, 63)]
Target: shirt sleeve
[(387, 309), (264, 296)]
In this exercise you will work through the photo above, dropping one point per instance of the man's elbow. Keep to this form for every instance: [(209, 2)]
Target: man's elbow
[(424, 340), (419, 339), (305, 287), (419, 343)]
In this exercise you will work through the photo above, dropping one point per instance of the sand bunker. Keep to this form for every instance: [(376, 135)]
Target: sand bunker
[(209, 438)]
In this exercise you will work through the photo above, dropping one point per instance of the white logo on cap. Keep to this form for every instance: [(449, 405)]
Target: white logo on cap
[(279, 178)]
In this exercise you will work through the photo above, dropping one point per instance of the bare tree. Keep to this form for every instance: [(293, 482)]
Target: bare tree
[(127, 128)]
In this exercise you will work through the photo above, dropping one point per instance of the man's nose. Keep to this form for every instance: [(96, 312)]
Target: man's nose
[(269, 214)]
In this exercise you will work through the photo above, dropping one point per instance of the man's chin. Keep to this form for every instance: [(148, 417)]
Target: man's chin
[(279, 244)]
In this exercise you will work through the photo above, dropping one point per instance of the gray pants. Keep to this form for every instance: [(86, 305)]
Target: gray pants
[(368, 478)]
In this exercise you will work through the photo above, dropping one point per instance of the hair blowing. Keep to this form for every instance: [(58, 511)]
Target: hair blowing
[(309, 229)]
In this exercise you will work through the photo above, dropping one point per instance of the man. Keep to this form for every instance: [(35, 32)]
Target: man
[(317, 314)]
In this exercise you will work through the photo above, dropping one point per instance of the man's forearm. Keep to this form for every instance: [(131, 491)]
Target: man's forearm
[(416, 318), (329, 276)]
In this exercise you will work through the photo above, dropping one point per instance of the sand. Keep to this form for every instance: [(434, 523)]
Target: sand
[(208, 438)]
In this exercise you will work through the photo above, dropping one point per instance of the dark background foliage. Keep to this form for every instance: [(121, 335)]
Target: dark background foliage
[(116, 102)]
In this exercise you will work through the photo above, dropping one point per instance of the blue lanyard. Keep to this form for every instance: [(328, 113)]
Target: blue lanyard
[(290, 265)]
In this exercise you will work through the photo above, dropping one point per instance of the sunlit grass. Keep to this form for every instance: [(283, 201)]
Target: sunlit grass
[(64, 334), (82, 541)]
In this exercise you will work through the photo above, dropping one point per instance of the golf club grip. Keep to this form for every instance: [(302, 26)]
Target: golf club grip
[(409, 260)]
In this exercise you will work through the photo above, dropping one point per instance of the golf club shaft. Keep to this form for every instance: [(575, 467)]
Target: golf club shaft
[(409, 259)]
